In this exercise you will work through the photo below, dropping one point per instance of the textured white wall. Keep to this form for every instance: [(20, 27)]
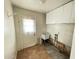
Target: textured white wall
[(9, 33), (65, 32)]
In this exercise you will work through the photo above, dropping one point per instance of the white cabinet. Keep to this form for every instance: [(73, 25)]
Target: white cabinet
[(68, 10), (69, 15), (73, 11), (64, 14), (54, 16), (49, 17), (58, 15)]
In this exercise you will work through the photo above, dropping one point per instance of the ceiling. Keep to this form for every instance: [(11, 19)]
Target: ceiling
[(35, 5)]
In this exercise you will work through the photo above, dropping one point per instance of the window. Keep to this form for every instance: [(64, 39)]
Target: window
[(28, 25)]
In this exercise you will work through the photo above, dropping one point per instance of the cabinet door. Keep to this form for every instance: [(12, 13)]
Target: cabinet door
[(73, 12), (67, 12), (49, 17), (55, 16), (58, 15)]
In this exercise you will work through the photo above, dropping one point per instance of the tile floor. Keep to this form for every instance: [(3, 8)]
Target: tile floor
[(54, 52)]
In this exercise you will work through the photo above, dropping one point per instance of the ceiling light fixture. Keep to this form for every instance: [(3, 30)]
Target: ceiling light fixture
[(42, 1)]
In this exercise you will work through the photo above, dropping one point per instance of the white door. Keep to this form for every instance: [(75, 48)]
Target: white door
[(29, 32), (25, 31)]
